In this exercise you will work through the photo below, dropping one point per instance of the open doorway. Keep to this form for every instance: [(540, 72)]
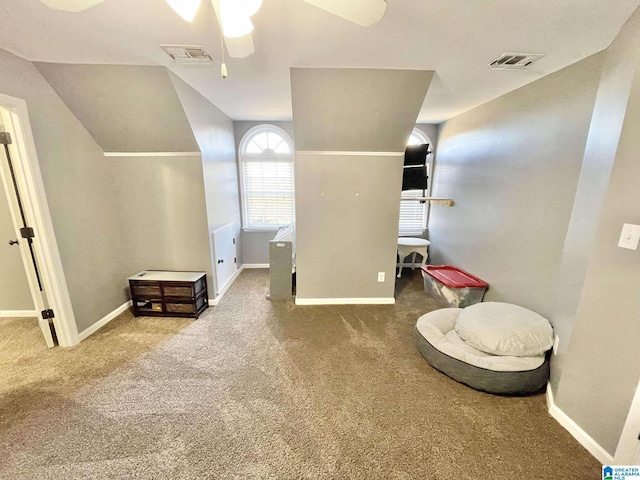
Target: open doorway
[(33, 236), (15, 295)]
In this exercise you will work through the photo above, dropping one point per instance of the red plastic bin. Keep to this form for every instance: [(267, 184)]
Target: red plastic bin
[(453, 287)]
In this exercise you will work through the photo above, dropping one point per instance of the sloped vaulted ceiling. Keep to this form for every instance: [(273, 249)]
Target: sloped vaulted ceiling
[(125, 108)]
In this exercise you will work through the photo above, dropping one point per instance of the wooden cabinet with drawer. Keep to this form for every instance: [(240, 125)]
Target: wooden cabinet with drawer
[(168, 294)]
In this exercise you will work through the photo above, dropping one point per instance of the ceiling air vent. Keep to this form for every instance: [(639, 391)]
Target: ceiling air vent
[(187, 53), (514, 61)]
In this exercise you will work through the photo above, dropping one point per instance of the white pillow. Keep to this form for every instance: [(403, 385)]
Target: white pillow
[(505, 329)]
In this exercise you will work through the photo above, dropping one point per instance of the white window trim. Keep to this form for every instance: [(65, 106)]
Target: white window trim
[(243, 156), (425, 217), (421, 135)]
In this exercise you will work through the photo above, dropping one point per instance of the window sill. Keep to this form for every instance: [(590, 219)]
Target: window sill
[(260, 230)]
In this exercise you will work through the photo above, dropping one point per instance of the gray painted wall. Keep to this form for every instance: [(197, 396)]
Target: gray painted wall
[(255, 244), (243, 126), (512, 166), (347, 206), (76, 180), (593, 298), (157, 203), (214, 132), (126, 108), (346, 225), (14, 289), (111, 216), (161, 212), (355, 109), (602, 144), (602, 365)]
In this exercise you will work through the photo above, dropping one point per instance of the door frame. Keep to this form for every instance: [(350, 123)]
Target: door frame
[(628, 450), (10, 174), (35, 203)]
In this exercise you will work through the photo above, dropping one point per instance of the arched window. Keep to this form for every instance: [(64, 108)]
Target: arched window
[(413, 214), (417, 138), (266, 170)]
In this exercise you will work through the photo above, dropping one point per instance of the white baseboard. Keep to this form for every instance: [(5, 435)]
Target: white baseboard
[(104, 320), (214, 301), (255, 265), (345, 301), (122, 308), (578, 433), (18, 314)]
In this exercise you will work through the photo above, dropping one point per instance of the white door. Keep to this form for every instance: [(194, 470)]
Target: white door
[(14, 188), (224, 252)]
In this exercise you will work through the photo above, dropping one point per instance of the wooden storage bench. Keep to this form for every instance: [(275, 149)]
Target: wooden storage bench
[(168, 294)]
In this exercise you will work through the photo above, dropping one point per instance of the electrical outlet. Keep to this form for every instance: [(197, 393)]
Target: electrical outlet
[(380, 277), (629, 236), (556, 341)]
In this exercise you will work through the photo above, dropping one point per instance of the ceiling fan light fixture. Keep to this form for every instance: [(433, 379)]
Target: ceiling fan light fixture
[(185, 8), (234, 27), (249, 7), (239, 8), (234, 22)]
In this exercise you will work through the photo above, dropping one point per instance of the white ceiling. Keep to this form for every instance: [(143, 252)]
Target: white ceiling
[(456, 38)]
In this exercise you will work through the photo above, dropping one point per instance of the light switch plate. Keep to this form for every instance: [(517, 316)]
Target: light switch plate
[(630, 236), (381, 277)]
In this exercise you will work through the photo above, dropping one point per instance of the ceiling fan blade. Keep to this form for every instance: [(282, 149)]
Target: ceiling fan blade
[(186, 9), (360, 12), (71, 5), (240, 47)]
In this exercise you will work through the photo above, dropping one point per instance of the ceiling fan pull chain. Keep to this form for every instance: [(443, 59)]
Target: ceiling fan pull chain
[(223, 68)]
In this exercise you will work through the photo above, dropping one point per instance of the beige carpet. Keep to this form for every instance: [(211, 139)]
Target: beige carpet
[(31, 375), (259, 389)]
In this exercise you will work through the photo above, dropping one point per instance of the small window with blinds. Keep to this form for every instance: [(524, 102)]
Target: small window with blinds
[(413, 214), (266, 157)]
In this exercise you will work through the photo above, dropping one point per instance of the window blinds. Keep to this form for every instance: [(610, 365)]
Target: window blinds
[(268, 192), (412, 213)]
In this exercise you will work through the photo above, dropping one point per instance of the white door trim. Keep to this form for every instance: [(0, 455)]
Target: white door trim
[(14, 188), (35, 202), (628, 450)]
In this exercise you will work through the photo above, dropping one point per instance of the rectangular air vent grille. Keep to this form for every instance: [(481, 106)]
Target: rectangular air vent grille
[(514, 61), (187, 53)]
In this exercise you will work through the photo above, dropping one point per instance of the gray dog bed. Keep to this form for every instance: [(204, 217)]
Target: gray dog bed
[(446, 351)]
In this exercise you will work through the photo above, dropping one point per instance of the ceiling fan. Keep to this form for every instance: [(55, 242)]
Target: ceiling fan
[(235, 15)]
